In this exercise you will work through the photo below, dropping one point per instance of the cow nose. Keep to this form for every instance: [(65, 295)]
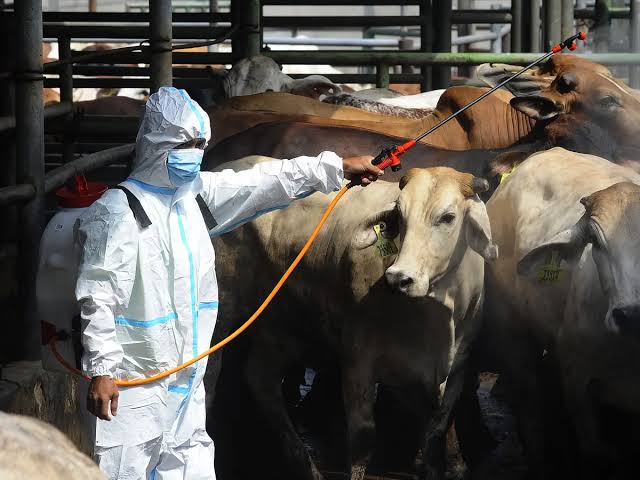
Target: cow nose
[(627, 319), (399, 280)]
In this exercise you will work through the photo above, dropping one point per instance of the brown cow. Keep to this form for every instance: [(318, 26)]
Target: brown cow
[(291, 139), (50, 96), (567, 85), (110, 106), (579, 88), (464, 133)]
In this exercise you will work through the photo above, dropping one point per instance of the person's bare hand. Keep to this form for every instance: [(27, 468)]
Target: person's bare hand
[(362, 167), (103, 397)]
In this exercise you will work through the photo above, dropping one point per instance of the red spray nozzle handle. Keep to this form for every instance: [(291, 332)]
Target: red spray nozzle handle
[(388, 157), (569, 43)]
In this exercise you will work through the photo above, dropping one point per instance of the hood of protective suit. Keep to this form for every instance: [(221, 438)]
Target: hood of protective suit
[(171, 118)]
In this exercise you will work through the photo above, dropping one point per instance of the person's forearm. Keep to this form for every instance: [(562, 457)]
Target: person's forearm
[(237, 197), (102, 351)]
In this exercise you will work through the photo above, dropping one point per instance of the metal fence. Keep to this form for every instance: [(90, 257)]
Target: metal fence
[(23, 117)]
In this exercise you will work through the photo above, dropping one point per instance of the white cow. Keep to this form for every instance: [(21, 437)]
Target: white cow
[(30, 449), (401, 317), (262, 74), (566, 292)]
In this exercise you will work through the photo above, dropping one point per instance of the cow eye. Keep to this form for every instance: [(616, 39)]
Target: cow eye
[(609, 102), (389, 228), (447, 218)]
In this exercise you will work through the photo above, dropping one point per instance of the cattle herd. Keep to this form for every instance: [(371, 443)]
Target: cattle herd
[(416, 285), (509, 243)]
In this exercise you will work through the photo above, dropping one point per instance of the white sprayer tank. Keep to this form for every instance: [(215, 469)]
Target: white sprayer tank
[(57, 272)]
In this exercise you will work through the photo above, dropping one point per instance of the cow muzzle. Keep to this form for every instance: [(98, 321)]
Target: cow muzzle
[(625, 320), (401, 281)]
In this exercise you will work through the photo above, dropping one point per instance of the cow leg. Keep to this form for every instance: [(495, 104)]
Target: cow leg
[(359, 401), (476, 443), (266, 366), (440, 421), (523, 376)]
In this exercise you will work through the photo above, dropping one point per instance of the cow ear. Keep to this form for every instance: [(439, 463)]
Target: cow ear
[(505, 162), (526, 84), (365, 236), (537, 107), (479, 230), (566, 246)]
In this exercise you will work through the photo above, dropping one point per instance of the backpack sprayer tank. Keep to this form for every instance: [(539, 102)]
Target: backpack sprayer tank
[(57, 272)]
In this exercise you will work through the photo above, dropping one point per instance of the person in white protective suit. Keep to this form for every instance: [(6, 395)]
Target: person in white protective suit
[(147, 286)]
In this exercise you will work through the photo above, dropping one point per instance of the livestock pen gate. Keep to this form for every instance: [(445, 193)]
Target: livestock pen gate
[(78, 143)]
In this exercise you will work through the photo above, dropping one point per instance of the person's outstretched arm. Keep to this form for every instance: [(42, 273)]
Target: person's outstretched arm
[(238, 197)]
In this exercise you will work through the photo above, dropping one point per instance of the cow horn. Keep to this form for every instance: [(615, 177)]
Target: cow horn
[(587, 202), (479, 185)]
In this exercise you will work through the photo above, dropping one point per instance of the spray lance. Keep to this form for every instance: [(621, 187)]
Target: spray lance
[(390, 156)]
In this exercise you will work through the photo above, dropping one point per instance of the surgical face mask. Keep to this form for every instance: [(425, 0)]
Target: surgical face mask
[(183, 165)]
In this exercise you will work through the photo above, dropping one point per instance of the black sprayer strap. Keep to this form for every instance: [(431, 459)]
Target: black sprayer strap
[(209, 221), (136, 207), (143, 219)]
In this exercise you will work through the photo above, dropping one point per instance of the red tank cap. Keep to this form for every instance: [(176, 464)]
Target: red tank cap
[(82, 194)]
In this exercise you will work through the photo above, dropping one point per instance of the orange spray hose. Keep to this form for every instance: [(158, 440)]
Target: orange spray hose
[(242, 328)]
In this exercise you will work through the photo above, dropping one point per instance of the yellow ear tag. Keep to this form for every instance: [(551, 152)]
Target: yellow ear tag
[(384, 246), (503, 176), (551, 272)]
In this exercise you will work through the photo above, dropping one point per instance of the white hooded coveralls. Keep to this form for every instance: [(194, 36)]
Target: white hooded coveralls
[(149, 297)]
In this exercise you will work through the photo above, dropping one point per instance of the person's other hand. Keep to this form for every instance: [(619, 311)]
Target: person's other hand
[(361, 166), (103, 397)]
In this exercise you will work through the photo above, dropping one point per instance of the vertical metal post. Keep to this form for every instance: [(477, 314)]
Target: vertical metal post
[(66, 94), (161, 37), (7, 108), (382, 75), (602, 26), (534, 22), (9, 348), (30, 165), (634, 71), (516, 25), (247, 14), (369, 11), (552, 23), (465, 29), (442, 28), (213, 7), (406, 44), (525, 25), (426, 43), (567, 28)]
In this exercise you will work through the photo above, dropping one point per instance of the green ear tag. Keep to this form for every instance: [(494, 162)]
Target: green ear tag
[(551, 272), (384, 246), (503, 176)]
